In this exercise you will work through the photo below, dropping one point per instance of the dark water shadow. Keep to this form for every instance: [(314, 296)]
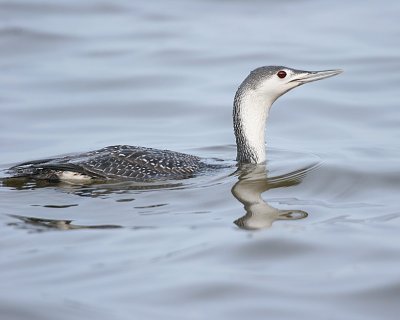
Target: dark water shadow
[(91, 189), (41, 224), (252, 181)]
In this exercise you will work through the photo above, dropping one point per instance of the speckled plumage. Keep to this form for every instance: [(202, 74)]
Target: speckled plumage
[(115, 163)]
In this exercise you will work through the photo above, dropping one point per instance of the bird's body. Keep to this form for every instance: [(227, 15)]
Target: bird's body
[(252, 103), (119, 162)]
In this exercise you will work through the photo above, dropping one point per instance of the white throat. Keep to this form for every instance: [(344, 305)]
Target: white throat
[(250, 114)]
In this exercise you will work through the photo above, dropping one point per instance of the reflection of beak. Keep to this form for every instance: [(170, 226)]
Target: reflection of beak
[(309, 76), (261, 216)]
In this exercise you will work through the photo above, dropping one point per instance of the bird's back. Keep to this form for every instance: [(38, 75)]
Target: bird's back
[(113, 163)]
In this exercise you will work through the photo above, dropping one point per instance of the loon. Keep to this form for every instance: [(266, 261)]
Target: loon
[(251, 106)]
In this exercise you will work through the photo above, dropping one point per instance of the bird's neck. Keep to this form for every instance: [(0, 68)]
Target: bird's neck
[(250, 113)]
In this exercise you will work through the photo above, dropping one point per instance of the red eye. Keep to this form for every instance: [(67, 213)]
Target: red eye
[(281, 74)]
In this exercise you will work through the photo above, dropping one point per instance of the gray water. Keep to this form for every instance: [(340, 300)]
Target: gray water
[(324, 214)]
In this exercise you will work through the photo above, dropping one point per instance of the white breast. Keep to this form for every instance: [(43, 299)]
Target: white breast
[(70, 176)]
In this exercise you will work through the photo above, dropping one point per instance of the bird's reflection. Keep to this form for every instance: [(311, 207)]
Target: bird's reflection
[(252, 182), (41, 224)]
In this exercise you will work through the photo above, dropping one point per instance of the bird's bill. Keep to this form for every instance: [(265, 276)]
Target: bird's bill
[(309, 76)]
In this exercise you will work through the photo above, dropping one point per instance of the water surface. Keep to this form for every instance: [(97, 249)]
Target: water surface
[(76, 77)]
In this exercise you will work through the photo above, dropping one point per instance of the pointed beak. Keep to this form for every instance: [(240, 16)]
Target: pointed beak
[(309, 76)]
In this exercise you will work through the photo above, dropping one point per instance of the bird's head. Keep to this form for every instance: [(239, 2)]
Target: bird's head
[(271, 82)]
